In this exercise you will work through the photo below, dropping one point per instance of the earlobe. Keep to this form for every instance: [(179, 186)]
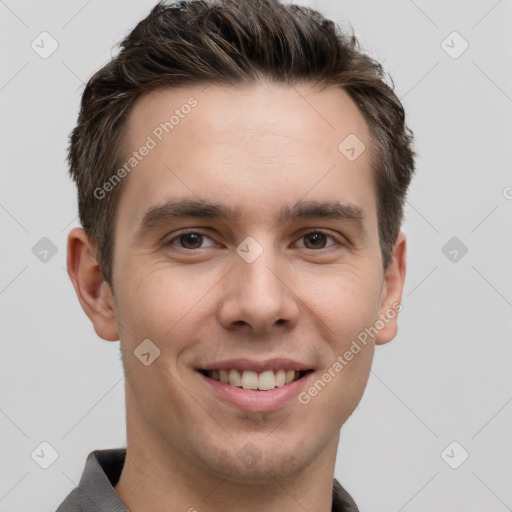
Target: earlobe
[(392, 292), (92, 291)]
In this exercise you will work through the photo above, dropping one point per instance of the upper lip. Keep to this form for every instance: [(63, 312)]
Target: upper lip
[(277, 363)]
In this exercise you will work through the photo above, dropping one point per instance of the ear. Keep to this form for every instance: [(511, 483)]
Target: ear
[(392, 292), (93, 292)]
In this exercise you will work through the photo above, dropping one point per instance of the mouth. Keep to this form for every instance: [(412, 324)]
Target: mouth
[(252, 385), (264, 381)]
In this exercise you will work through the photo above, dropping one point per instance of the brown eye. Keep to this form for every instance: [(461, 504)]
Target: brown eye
[(191, 240), (316, 240)]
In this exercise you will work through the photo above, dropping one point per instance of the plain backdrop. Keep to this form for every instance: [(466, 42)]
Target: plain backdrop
[(438, 393)]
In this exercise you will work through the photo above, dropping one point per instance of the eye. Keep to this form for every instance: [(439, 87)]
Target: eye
[(316, 239), (189, 240)]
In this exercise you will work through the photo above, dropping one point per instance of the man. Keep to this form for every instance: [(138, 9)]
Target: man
[(241, 171)]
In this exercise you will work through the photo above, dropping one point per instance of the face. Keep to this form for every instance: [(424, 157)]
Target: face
[(281, 272)]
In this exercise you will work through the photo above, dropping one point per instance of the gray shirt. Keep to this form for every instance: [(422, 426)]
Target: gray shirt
[(95, 492)]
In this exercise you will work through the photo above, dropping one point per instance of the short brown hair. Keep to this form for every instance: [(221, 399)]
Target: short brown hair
[(233, 43)]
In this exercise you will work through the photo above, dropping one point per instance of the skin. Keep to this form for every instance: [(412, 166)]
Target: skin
[(258, 149)]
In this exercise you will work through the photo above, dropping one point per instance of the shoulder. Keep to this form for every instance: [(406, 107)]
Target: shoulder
[(341, 499), (73, 502)]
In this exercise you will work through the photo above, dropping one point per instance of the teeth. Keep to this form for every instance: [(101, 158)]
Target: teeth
[(280, 378), (290, 374), (266, 380), (234, 378), (247, 379)]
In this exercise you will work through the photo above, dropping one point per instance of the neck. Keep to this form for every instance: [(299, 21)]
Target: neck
[(157, 476)]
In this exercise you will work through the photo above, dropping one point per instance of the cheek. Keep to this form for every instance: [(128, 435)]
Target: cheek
[(340, 383), (157, 301), (338, 388), (345, 301)]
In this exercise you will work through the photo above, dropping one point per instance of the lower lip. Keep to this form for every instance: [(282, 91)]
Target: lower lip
[(256, 401)]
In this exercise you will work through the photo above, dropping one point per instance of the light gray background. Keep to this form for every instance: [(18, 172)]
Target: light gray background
[(446, 377)]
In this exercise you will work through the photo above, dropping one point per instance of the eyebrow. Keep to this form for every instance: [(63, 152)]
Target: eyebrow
[(200, 208)]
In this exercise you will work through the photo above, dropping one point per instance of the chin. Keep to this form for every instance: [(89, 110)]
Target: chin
[(255, 459)]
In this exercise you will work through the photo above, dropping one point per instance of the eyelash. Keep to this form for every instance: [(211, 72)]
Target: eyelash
[(195, 232)]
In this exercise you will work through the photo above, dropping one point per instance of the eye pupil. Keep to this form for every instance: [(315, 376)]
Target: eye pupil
[(316, 237), (193, 238)]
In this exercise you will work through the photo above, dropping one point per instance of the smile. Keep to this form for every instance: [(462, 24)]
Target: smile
[(255, 385), (266, 380)]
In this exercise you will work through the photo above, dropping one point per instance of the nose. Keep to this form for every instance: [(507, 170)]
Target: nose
[(258, 297)]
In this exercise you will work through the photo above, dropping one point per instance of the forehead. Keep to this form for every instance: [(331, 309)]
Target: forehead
[(256, 148)]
